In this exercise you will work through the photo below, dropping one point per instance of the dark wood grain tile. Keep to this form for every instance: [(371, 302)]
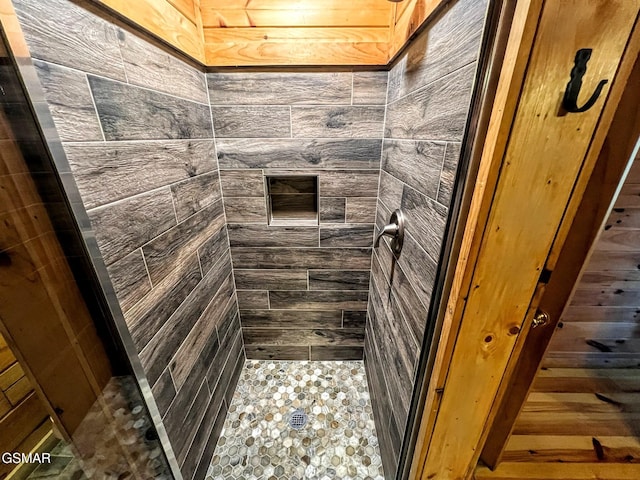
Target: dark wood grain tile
[(251, 122), (245, 209), (124, 226), (299, 258), (160, 350), (448, 174), (337, 122), (332, 210), (67, 93), (106, 172), (253, 299), (419, 268), (270, 279), (152, 312), (351, 319), (390, 191), (330, 353), (338, 279), (219, 363), (349, 183), (271, 236), (151, 67), (348, 235), (452, 41), (370, 88), (130, 279), (164, 392), (242, 183), (292, 319), (62, 32), (214, 248), (205, 328), (226, 385), (275, 88), (298, 153), (426, 220), (194, 194), (216, 431), (417, 164), (318, 300), (435, 112), (299, 183), (361, 210), (166, 252), (132, 113), (347, 337), (276, 352)]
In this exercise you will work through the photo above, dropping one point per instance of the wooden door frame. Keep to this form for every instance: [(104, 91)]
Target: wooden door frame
[(455, 425)]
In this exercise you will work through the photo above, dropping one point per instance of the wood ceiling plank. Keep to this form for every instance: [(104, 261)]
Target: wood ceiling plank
[(296, 53), (186, 8), (297, 4), (560, 471), (287, 34)]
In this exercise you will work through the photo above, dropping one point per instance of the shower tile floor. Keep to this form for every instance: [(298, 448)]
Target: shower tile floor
[(338, 441)]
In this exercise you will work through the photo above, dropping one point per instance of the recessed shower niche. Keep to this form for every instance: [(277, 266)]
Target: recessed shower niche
[(292, 200)]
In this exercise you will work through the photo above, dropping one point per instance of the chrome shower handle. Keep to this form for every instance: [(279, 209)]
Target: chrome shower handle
[(395, 229)]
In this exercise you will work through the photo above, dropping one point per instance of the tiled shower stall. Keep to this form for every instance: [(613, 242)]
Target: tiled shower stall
[(190, 180)]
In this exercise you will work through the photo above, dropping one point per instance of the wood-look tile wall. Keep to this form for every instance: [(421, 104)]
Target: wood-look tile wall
[(302, 289), (599, 328), (428, 104), (136, 127)]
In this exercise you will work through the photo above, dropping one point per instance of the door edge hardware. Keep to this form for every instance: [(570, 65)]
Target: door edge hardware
[(540, 319), (570, 99)]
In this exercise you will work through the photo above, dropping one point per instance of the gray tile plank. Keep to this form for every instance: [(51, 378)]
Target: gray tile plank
[(292, 319), (217, 367), (390, 191), (349, 183), (150, 314), (157, 354), (435, 112), (215, 247), (361, 210), (275, 88), (339, 279), (124, 226), (194, 194), (352, 319), (270, 279), (331, 353), (298, 153), (272, 336), (276, 352), (242, 183), (164, 392), (189, 352), (337, 122), (272, 236), (106, 172), (452, 41), (299, 258), (348, 235), (67, 93), (205, 460), (245, 209), (332, 210), (130, 279), (417, 164), (426, 220), (448, 174), (253, 299), (251, 122), (132, 113), (151, 67), (419, 267), (318, 300), (59, 31), (370, 88), (165, 252)]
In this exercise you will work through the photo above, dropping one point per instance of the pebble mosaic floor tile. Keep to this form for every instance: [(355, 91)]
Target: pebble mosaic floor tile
[(262, 437)]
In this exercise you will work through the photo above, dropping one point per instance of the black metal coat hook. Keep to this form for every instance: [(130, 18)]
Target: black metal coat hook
[(570, 99)]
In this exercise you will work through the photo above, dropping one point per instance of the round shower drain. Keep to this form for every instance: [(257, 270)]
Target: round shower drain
[(298, 419)]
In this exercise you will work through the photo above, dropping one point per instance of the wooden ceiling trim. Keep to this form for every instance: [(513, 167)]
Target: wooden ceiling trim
[(325, 17)]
